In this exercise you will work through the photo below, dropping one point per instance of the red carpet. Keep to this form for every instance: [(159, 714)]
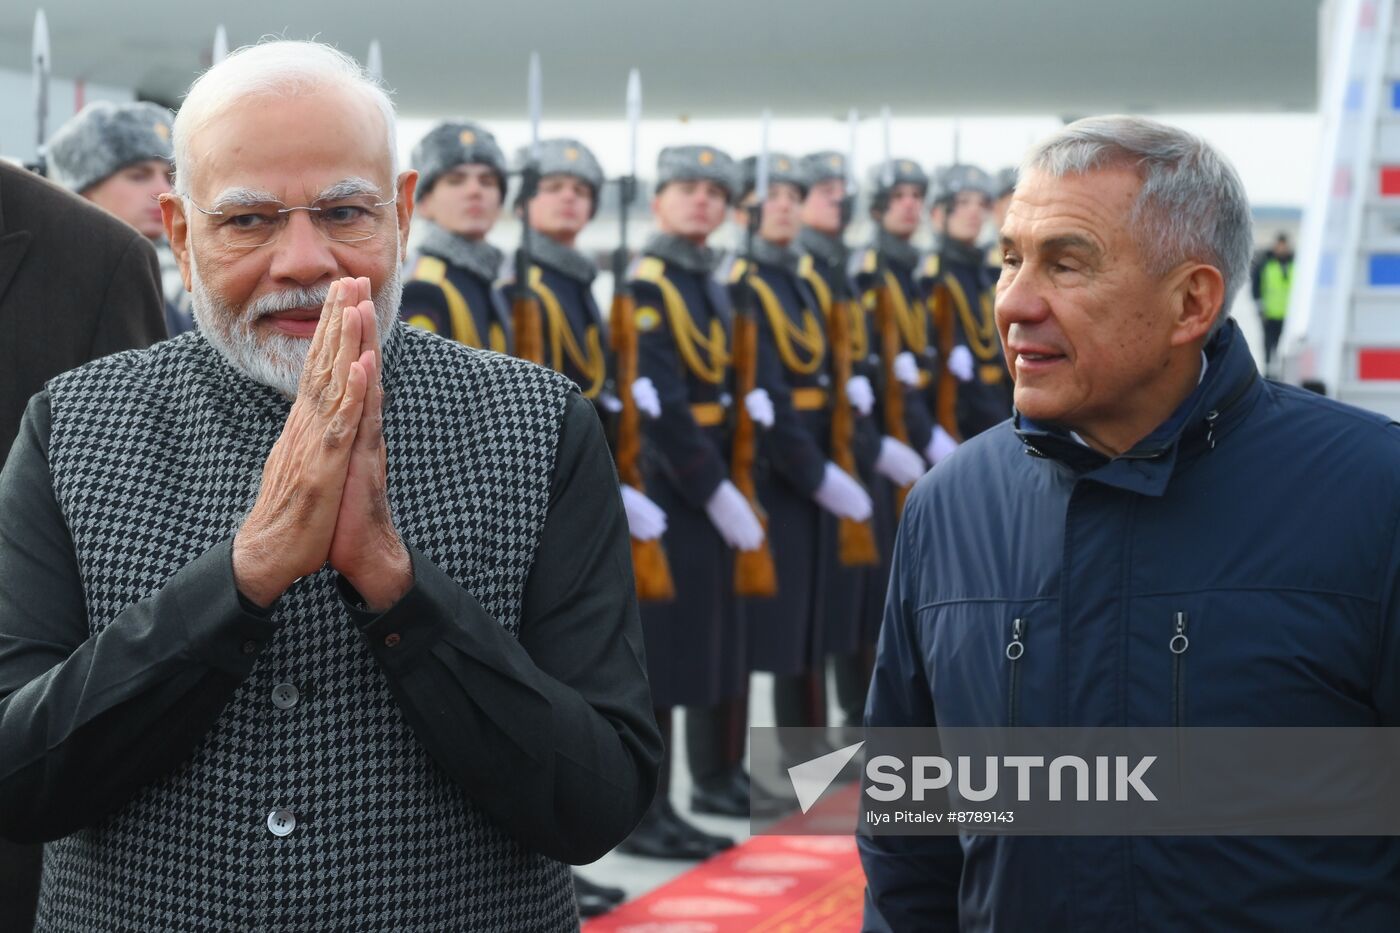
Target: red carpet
[(774, 884)]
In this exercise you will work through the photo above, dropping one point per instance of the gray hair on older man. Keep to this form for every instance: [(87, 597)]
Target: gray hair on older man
[(1192, 205)]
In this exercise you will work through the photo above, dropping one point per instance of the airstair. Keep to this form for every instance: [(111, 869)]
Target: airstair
[(1343, 327)]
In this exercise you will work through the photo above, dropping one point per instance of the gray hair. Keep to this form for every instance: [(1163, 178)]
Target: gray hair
[(275, 67), (1192, 205)]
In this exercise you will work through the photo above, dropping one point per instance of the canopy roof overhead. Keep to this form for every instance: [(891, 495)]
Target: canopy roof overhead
[(733, 57)]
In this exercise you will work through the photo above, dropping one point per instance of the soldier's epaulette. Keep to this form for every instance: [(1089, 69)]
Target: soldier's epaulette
[(649, 269), (930, 268), (430, 269)]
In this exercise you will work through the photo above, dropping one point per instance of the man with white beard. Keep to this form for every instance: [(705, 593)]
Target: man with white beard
[(309, 619)]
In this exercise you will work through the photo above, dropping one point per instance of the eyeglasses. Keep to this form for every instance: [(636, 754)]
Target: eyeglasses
[(254, 224)]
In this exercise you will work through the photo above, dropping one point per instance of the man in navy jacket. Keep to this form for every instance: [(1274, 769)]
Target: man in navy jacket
[(1149, 482)]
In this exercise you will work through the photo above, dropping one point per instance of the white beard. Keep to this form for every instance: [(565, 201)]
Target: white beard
[(274, 359)]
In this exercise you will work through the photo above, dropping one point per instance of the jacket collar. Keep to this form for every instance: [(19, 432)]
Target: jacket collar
[(768, 253), (896, 250), (1199, 423), (13, 246), (826, 249), (565, 260), (476, 256), (678, 251), (956, 251)]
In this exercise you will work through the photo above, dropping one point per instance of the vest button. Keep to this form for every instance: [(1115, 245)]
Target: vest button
[(285, 696), (391, 640), (281, 822), (250, 647)]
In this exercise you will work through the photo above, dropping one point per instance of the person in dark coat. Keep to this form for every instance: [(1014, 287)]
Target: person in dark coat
[(891, 260), (853, 596), (1151, 485), (976, 386), (695, 642), (561, 281), (56, 314), (451, 279), (803, 491), (119, 157)]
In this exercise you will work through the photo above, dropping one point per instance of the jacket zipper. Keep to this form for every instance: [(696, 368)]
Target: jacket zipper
[(1178, 645), (1014, 650)]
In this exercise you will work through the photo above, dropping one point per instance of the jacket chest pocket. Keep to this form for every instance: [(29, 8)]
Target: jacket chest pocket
[(1251, 658), (991, 662)]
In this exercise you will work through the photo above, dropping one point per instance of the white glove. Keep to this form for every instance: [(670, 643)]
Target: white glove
[(644, 394), (898, 462), (611, 403), (841, 495), (730, 514), (861, 394), (906, 369), (645, 518), (960, 363), (940, 446), (760, 408)]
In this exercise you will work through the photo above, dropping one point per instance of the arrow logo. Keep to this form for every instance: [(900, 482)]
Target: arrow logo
[(811, 778)]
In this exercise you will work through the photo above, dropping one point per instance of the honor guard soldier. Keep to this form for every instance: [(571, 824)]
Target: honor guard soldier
[(560, 280), (976, 386), (802, 490), (119, 157), (885, 274), (854, 593), (461, 187), (695, 644), (560, 277)]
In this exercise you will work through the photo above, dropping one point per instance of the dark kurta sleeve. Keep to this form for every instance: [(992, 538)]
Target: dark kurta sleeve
[(693, 459), (133, 309), (86, 721), (551, 734)]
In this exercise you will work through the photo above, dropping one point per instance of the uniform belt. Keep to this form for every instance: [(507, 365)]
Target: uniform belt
[(809, 398), (708, 414)]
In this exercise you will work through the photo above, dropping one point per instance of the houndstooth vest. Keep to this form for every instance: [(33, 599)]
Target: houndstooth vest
[(156, 456)]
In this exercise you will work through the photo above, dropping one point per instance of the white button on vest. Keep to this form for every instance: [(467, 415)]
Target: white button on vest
[(281, 822), (285, 696)]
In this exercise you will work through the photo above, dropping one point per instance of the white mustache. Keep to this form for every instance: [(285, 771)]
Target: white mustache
[(287, 300)]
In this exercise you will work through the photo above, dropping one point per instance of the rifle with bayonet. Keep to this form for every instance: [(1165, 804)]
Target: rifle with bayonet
[(888, 329), (41, 65), (855, 539), (754, 571), (525, 315), (649, 565)]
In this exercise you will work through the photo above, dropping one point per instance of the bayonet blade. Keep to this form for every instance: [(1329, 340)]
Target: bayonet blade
[(374, 62), (42, 66), (887, 173), (535, 103), (634, 118), (853, 123), (220, 51), (761, 172)]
